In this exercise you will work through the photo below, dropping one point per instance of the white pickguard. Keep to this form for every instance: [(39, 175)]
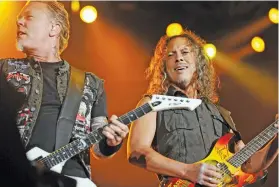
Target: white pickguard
[(37, 152)]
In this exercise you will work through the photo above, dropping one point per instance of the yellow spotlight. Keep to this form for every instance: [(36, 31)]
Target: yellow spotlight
[(210, 50), (174, 29), (4, 5), (273, 15), (75, 6), (88, 14), (258, 44)]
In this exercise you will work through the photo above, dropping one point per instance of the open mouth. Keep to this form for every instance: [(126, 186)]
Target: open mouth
[(181, 68), (20, 33)]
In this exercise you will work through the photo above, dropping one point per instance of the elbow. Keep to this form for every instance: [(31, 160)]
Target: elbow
[(133, 155), (133, 150), (132, 160), (129, 157), (138, 157)]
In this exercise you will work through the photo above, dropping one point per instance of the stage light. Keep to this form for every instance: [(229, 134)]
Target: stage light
[(4, 6), (210, 50), (88, 14), (273, 15), (258, 44), (75, 5), (174, 29)]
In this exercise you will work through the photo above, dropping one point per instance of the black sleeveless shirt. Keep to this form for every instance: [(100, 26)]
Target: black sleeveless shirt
[(188, 136)]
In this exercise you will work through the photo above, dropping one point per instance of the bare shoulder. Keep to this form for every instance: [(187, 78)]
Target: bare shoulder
[(150, 117)]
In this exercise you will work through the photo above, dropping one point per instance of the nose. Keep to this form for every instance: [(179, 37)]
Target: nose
[(20, 21), (179, 57), (179, 60)]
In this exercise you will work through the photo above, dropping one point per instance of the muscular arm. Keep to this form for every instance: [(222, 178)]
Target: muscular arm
[(142, 155)]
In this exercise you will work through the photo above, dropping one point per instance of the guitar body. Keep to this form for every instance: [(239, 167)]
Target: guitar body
[(218, 157), (37, 153)]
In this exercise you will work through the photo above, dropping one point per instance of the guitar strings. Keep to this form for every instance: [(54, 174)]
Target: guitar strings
[(253, 145), (235, 161), (47, 159)]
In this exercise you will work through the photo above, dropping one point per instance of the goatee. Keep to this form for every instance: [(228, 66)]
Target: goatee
[(180, 84), (19, 46)]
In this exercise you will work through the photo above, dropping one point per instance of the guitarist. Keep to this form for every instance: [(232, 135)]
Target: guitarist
[(170, 142), (42, 77)]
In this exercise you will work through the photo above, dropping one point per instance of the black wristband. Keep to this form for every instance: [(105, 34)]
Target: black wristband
[(106, 149)]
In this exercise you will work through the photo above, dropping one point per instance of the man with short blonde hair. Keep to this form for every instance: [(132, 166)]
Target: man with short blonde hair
[(42, 77)]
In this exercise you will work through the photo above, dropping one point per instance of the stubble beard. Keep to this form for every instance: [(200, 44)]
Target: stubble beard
[(182, 84), (19, 46)]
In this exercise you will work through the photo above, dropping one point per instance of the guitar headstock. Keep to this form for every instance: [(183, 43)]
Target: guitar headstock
[(163, 102)]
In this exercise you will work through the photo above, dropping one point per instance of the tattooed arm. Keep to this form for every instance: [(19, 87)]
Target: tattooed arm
[(142, 155), (99, 120)]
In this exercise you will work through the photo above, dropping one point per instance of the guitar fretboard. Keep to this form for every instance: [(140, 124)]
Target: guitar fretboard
[(79, 145), (253, 146)]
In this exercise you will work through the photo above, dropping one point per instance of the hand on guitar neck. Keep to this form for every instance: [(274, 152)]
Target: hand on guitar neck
[(115, 132)]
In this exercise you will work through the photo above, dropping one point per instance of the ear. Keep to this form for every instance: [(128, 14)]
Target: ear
[(55, 29)]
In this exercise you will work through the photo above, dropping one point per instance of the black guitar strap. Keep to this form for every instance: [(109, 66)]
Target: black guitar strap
[(70, 107), (227, 117)]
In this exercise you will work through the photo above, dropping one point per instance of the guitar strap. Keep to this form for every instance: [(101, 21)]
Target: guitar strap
[(68, 113), (227, 117)]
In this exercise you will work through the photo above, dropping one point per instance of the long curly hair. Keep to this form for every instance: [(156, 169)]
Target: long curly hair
[(206, 81)]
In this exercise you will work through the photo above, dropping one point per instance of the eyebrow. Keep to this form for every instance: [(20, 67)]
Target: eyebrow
[(181, 48), (185, 46), (24, 13)]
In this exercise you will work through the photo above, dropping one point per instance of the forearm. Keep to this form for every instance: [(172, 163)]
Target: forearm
[(103, 150), (152, 161), (98, 122)]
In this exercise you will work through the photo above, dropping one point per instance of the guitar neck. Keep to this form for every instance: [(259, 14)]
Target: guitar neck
[(75, 147), (253, 146)]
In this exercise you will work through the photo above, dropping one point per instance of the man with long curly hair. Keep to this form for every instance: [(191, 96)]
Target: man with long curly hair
[(169, 143)]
